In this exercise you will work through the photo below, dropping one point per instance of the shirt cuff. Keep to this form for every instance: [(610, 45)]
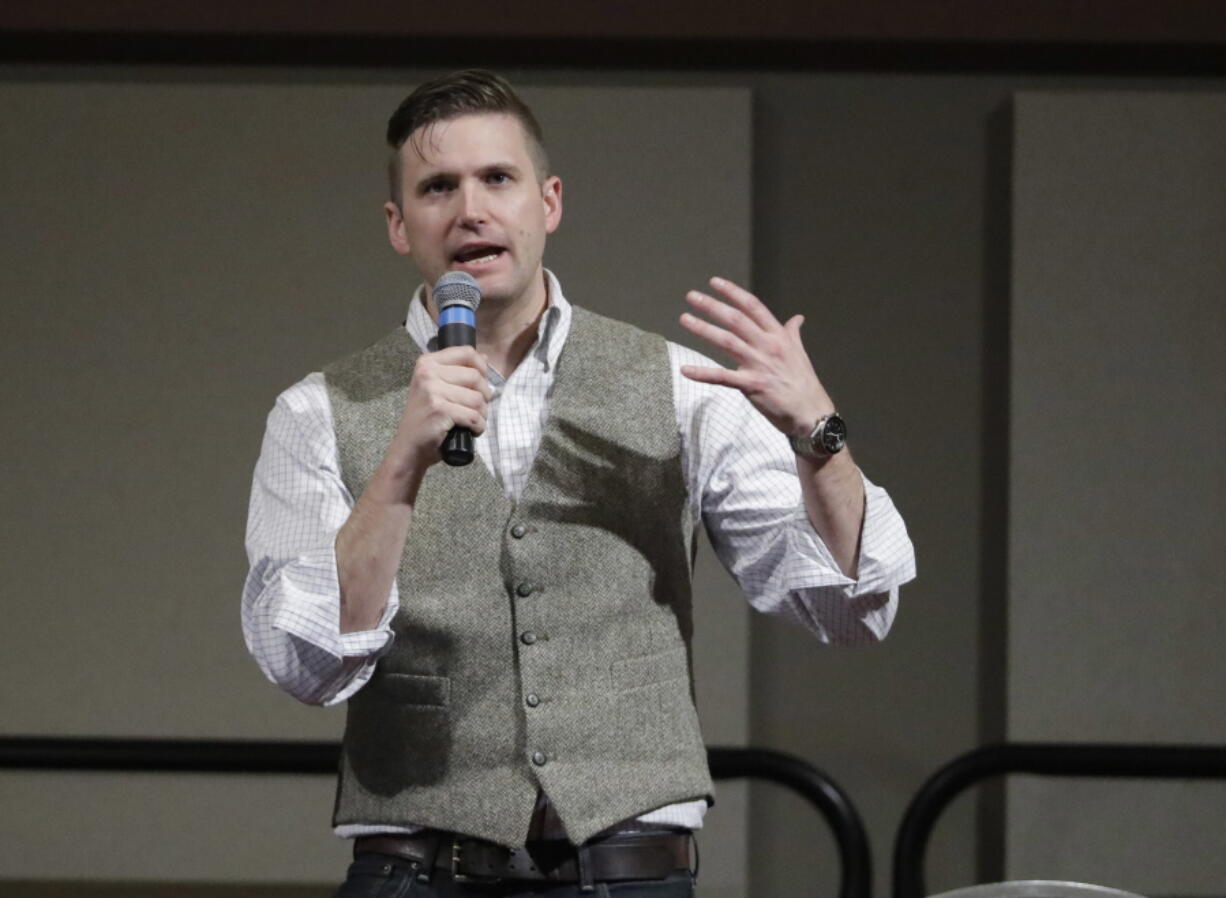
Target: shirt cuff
[(886, 559), (372, 643), (309, 609)]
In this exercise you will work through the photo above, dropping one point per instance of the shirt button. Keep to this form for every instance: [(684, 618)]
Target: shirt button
[(538, 758), (524, 590), (532, 699), (527, 637), (518, 531)]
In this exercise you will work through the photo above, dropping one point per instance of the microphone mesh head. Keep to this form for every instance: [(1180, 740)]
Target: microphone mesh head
[(457, 288)]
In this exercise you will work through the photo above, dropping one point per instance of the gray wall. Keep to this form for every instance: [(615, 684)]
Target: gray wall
[(878, 203), (1117, 482)]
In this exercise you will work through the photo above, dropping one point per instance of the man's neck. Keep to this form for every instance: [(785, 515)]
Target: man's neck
[(506, 331)]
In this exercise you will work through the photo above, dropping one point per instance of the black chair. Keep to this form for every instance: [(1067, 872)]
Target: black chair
[(1046, 759), (820, 790)]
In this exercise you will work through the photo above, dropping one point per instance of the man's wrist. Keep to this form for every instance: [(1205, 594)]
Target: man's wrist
[(402, 469), (827, 438)]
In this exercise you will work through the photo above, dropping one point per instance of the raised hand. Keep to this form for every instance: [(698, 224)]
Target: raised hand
[(773, 370)]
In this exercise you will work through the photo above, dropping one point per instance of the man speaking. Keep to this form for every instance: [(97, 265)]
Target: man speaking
[(512, 636)]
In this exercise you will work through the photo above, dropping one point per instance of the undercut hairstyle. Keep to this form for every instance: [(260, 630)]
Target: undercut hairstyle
[(470, 92)]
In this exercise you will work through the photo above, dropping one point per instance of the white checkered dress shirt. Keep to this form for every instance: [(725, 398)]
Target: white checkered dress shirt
[(742, 483)]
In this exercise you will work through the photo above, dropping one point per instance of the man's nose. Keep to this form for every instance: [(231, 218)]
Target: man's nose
[(472, 205)]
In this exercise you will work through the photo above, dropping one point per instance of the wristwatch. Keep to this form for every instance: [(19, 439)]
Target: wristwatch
[(828, 438)]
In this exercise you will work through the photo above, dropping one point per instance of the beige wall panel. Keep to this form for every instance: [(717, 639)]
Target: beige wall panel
[(1118, 490)]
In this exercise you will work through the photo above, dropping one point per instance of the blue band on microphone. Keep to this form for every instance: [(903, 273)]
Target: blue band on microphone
[(457, 314)]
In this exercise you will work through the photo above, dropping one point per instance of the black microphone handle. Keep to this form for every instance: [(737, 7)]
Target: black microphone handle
[(457, 448), (456, 334)]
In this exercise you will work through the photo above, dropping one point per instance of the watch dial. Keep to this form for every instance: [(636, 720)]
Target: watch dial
[(834, 434)]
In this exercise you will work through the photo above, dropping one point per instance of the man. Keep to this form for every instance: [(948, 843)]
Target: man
[(512, 637)]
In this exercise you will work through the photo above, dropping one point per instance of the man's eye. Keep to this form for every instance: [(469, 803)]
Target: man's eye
[(498, 177), (436, 187)]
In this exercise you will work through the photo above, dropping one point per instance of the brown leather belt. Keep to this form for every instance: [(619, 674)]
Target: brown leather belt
[(651, 855)]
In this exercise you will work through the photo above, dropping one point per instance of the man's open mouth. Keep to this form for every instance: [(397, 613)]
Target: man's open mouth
[(478, 255)]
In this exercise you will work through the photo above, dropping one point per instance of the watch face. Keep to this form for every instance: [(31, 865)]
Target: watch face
[(834, 434)]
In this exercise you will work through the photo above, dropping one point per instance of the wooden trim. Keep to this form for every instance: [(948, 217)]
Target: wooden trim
[(888, 21), (88, 48)]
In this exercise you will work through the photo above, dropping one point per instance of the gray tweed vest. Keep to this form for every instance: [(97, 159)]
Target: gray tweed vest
[(542, 643)]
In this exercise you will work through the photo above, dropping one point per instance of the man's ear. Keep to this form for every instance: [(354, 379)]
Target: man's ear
[(396, 235), (551, 195)]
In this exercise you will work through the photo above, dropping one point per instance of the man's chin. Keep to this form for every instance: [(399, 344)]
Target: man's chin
[(499, 289)]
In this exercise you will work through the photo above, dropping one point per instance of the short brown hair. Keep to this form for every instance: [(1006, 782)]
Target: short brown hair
[(470, 92)]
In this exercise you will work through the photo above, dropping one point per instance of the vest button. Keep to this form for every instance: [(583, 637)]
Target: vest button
[(524, 590), (527, 637), (538, 758), (518, 531), (532, 699)]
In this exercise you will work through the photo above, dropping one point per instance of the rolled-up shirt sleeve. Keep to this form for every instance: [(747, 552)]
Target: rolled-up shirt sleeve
[(291, 598), (743, 485)]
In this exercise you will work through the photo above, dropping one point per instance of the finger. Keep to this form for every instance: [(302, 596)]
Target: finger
[(747, 303), (729, 316), (459, 393), (474, 420), (455, 410), (718, 337), (458, 355), (793, 326), (462, 416), (459, 367), (723, 377), (463, 376)]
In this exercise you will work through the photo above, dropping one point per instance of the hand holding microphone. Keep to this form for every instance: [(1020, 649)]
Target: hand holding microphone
[(448, 394)]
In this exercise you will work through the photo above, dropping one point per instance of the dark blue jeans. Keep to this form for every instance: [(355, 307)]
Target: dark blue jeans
[(383, 876)]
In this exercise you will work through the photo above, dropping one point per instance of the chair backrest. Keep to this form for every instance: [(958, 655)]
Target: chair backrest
[(821, 791), (1046, 759)]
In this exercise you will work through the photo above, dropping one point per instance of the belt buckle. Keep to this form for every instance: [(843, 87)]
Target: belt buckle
[(457, 876)]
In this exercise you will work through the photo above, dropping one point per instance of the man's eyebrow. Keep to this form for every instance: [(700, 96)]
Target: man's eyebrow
[(500, 166), (434, 177)]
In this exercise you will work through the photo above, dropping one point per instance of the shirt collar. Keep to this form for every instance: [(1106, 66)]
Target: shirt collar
[(551, 333)]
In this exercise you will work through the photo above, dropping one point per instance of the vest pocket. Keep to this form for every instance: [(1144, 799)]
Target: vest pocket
[(643, 670), (412, 689), (653, 701)]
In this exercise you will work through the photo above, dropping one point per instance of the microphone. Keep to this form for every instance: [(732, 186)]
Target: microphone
[(457, 297)]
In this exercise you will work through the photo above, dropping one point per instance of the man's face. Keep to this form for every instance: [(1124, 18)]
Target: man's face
[(471, 201)]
